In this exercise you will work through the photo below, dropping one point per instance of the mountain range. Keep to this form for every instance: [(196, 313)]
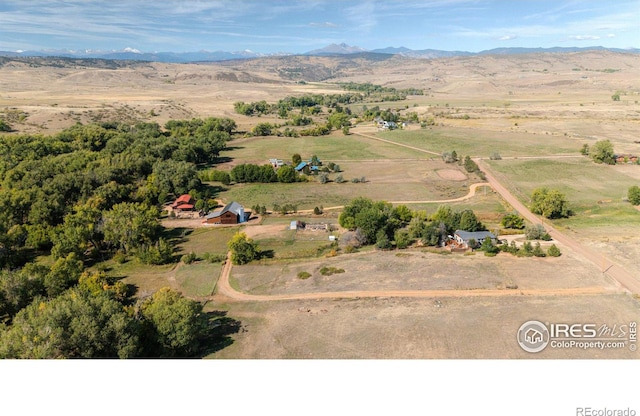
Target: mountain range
[(333, 49)]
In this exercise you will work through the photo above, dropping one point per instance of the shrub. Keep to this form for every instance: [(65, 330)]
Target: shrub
[(403, 239), (120, 257), (350, 249), (304, 275), (159, 253), (633, 195), (214, 258), (513, 221), (189, 258), (339, 179), (328, 271), (553, 251), (537, 251)]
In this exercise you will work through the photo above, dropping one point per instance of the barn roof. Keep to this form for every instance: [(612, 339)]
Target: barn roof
[(232, 207)]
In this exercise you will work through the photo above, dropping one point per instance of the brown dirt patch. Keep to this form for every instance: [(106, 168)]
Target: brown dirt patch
[(451, 175)]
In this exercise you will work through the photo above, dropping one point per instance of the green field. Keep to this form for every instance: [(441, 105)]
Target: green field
[(310, 195), (206, 240), (595, 192), (475, 142), (328, 148)]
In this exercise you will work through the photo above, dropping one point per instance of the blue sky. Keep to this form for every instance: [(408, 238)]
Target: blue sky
[(299, 26)]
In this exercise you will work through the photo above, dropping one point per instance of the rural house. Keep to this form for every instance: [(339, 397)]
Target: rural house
[(302, 165), (276, 163), (463, 238), (232, 213), (184, 203)]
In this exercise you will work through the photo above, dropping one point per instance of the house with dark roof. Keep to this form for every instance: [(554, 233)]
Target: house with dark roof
[(232, 213), (472, 239)]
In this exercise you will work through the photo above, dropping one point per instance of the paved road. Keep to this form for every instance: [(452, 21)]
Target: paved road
[(610, 268)]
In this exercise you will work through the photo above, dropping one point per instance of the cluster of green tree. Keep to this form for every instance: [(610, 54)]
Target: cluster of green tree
[(387, 115), (549, 203), (470, 165), (249, 173), (259, 209), (243, 249), (285, 208), (633, 195), (64, 192), (213, 175), (380, 93), (385, 225), (90, 192), (512, 221), (96, 319), (307, 104), (600, 152), (528, 250)]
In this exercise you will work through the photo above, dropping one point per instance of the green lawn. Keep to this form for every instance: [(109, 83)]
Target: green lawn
[(206, 240), (199, 278), (475, 142)]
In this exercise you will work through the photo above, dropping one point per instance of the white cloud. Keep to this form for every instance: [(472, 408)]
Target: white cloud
[(584, 37), (507, 37), (611, 35)]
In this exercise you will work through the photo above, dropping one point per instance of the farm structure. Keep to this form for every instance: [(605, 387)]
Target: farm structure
[(232, 213), (468, 239), (184, 203), (299, 225), (302, 165), (276, 163), (385, 125), (626, 158)]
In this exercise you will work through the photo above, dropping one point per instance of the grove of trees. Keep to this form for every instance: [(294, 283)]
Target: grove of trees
[(549, 203), (602, 152), (82, 196), (382, 224)]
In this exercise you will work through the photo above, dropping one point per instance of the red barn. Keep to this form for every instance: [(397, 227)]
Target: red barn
[(232, 213)]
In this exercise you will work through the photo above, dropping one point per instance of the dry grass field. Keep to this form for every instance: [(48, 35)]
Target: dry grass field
[(518, 105)]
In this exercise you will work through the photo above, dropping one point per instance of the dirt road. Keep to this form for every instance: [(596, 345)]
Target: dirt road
[(224, 288)]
